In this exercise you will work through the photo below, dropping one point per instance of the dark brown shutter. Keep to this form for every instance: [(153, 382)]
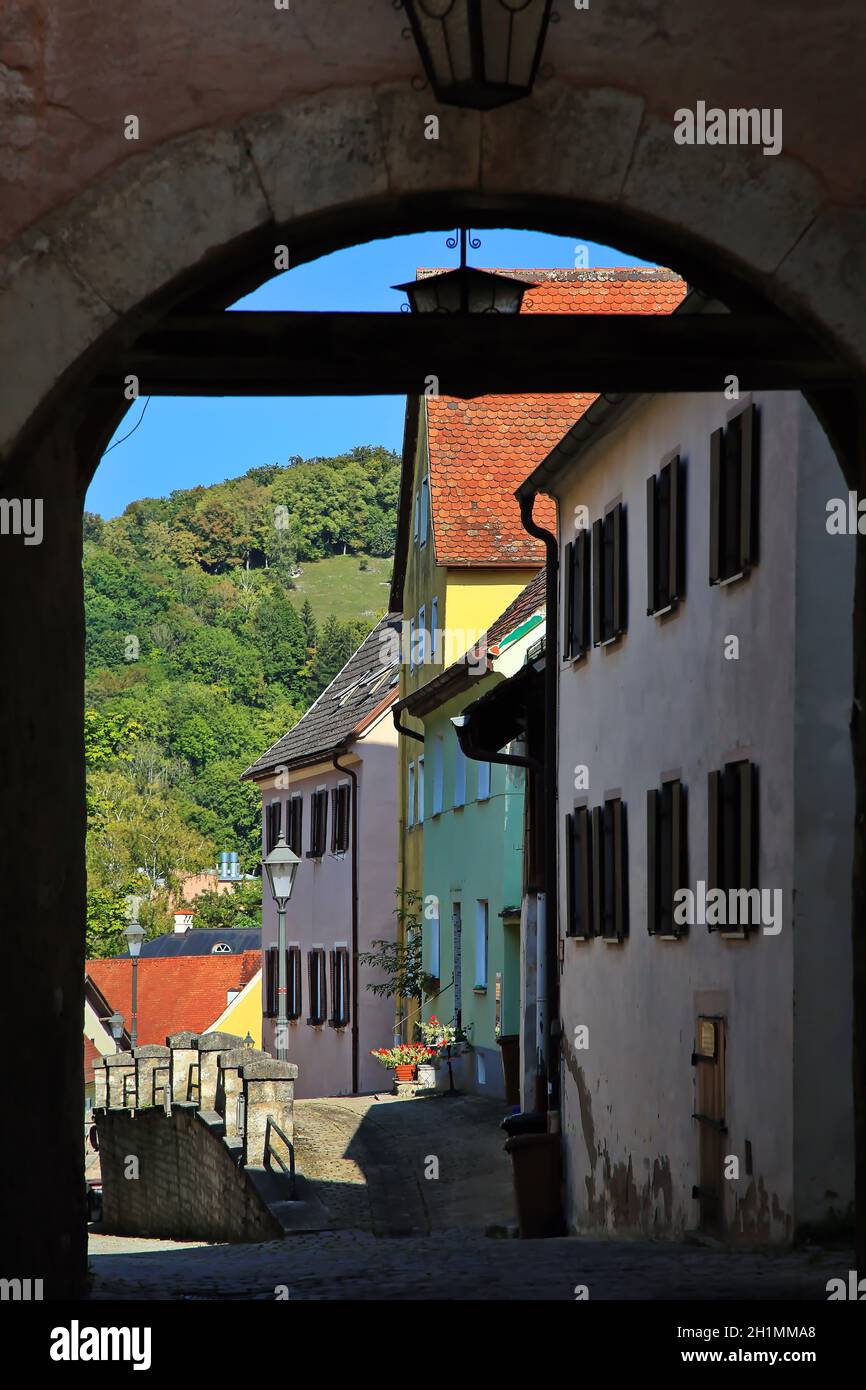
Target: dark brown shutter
[(597, 559), (620, 870), (717, 444), (714, 823), (651, 542), (652, 856), (323, 837), (748, 779), (335, 819), (676, 532), (598, 885), (582, 587), (333, 965), (569, 616), (749, 487), (570, 861), (311, 971), (678, 847), (323, 984), (620, 621), (271, 982)]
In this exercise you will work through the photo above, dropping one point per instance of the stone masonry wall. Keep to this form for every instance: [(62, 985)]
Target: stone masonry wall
[(189, 1185)]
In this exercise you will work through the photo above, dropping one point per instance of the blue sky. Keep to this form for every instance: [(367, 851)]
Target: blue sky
[(184, 441)]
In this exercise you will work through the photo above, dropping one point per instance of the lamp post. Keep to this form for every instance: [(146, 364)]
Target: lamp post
[(281, 865), (134, 936), (115, 1023), (464, 290), (479, 53)]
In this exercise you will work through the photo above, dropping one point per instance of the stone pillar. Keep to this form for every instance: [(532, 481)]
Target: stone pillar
[(210, 1045), (120, 1094), (100, 1084), (152, 1070), (184, 1066), (269, 1091), (230, 1085)]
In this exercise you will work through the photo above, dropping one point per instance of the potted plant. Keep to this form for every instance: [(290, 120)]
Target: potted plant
[(403, 1058)]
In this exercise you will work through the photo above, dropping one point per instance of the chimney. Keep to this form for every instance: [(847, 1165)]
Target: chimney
[(182, 921), (235, 869)]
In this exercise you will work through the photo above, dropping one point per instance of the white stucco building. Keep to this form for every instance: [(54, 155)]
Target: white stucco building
[(331, 784), (706, 1069)]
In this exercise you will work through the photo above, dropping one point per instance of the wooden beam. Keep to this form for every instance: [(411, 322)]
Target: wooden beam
[(310, 354)]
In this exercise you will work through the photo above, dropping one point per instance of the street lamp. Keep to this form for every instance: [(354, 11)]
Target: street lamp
[(465, 290), (134, 936), (281, 865), (479, 53), (115, 1023)]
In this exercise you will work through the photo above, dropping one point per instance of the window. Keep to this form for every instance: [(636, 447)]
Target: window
[(422, 636), (341, 797), (410, 797), (666, 857), (273, 815), (411, 644), (576, 639), (425, 506), (438, 760), (435, 943), (415, 529), (318, 985), (459, 774), (609, 577), (483, 781), (665, 536), (579, 863), (610, 870), (339, 987), (295, 824), (318, 823), (481, 924), (293, 982), (435, 644), (733, 832), (734, 497), (420, 774)]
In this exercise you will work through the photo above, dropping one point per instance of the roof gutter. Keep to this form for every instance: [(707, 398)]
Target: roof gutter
[(404, 728), (350, 772), (463, 728)]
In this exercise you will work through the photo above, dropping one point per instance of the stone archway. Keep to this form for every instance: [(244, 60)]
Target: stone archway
[(197, 219)]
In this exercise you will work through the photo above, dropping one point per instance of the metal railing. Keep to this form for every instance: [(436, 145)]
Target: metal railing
[(270, 1152)]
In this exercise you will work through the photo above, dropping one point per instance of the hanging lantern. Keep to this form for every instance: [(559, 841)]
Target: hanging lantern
[(465, 290), (479, 53)]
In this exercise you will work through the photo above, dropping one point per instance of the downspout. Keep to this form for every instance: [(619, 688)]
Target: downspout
[(551, 896), (355, 1003), (404, 728), (463, 727)]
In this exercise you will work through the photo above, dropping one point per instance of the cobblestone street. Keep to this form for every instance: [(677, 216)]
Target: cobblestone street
[(397, 1234)]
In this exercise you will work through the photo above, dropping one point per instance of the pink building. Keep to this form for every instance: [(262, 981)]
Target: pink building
[(331, 784)]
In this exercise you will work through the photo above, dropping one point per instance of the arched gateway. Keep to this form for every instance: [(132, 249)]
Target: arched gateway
[(312, 136)]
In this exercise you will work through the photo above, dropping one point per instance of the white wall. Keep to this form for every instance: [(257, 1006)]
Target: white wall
[(664, 699)]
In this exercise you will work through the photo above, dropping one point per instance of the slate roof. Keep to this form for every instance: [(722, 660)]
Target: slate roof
[(480, 450), (175, 993), (201, 941), (366, 685)]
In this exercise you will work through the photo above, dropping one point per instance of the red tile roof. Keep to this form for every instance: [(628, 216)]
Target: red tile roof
[(175, 993), (482, 449), (91, 1054)]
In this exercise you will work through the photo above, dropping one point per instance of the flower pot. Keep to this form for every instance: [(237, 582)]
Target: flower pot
[(405, 1071), (426, 1075)]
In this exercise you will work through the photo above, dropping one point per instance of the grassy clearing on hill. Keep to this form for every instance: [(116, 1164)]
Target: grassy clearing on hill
[(337, 585)]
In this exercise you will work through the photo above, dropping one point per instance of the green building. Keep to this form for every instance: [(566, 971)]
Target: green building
[(472, 814)]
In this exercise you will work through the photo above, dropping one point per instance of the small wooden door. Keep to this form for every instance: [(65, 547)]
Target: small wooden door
[(709, 1060)]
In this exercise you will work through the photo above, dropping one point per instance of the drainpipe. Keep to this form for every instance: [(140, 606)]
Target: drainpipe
[(463, 727), (402, 728), (355, 1001), (551, 895)]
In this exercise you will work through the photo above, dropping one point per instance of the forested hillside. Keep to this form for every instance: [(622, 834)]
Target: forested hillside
[(200, 654)]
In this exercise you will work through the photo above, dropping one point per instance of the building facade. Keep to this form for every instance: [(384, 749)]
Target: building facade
[(705, 809), (331, 785)]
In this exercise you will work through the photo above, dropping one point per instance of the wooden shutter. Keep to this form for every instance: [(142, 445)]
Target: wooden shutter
[(323, 811), (314, 993), (717, 444), (747, 788), (714, 823), (335, 819), (333, 964), (749, 490), (571, 887), (652, 857), (651, 543), (271, 982), (678, 848), (569, 613), (619, 605), (295, 815), (598, 885), (620, 869), (581, 580), (676, 514), (597, 604)]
